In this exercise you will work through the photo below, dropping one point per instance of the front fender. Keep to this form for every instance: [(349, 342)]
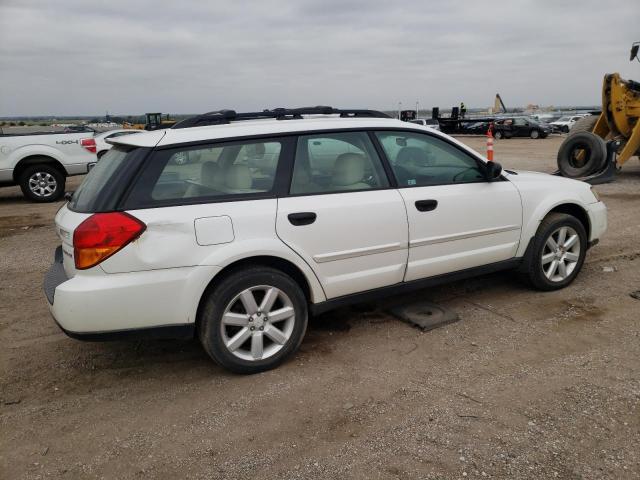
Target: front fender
[(540, 194)]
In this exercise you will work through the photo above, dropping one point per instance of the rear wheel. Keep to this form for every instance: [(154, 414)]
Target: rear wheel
[(253, 320), (557, 252), (42, 183)]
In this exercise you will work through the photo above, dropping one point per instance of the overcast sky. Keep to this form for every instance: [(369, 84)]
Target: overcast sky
[(65, 57)]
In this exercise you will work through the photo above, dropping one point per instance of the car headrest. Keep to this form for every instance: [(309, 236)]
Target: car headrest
[(210, 174), (348, 169), (238, 177), (413, 156)]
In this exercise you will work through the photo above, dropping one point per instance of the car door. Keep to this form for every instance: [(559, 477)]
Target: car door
[(457, 219), (342, 216), (521, 127)]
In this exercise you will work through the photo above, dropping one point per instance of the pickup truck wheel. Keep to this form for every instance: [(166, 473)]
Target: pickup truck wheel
[(42, 183), (498, 135), (557, 252), (253, 320)]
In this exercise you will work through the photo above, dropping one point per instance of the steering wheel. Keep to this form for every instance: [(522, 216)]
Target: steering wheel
[(455, 177)]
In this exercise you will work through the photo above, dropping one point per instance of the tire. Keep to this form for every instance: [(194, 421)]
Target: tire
[(498, 135), (581, 154), (534, 134), (228, 301), (585, 124), (42, 183), (541, 257)]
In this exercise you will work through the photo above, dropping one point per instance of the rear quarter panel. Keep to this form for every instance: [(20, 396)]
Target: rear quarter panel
[(171, 241)]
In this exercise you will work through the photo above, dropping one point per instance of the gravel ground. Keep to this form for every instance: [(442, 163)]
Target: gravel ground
[(526, 385)]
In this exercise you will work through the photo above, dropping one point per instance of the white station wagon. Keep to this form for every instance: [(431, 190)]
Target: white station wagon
[(234, 227)]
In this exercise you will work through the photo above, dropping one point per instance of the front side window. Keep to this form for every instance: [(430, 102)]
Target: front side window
[(217, 171), (336, 162), (420, 160)]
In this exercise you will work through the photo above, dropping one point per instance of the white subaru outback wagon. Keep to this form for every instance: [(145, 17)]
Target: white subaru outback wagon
[(234, 227)]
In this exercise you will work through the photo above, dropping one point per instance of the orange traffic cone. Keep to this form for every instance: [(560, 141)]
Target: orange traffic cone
[(490, 144)]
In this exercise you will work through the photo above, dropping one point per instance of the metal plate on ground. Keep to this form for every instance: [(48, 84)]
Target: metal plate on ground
[(425, 315)]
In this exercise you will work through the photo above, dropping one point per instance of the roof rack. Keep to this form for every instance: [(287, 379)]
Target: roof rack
[(222, 117)]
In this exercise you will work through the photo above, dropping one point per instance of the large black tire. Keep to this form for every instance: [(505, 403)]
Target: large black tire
[(212, 330), (42, 183), (533, 269), (585, 124), (534, 134), (498, 135), (581, 154)]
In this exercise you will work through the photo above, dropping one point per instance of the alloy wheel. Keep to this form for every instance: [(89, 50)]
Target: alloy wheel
[(42, 184), (560, 254), (257, 323)]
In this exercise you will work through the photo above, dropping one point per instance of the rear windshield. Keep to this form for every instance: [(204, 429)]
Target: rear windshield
[(103, 185)]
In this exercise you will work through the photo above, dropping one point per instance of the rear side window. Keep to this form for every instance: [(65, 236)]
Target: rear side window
[(336, 162), (103, 185), (213, 172)]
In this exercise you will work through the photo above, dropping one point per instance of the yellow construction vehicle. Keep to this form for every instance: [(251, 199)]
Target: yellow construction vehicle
[(154, 121), (598, 145)]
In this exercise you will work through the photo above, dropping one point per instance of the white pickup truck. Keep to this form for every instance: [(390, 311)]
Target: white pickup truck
[(40, 162)]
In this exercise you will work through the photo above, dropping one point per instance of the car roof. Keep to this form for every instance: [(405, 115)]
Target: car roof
[(249, 128)]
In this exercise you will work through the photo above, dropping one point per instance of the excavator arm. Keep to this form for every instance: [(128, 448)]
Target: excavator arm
[(620, 115)]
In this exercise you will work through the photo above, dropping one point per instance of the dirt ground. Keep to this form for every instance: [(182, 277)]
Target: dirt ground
[(525, 385)]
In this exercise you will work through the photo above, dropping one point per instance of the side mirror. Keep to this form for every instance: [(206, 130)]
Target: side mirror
[(634, 51), (493, 171)]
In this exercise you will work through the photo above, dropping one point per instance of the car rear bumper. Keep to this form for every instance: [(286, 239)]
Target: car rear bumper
[(99, 306)]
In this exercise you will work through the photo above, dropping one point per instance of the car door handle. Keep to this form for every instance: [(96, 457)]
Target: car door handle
[(426, 205), (302, 218)]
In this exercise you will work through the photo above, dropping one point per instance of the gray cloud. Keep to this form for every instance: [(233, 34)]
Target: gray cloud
[(78, 57)]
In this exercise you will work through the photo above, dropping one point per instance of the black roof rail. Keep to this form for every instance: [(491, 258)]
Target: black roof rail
[(222, 117)]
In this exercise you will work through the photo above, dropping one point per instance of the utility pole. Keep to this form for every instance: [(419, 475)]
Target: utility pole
[(399, 109)]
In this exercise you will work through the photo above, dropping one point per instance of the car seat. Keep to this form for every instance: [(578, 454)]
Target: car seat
[(210, 181), (348, 172), (238, 179)]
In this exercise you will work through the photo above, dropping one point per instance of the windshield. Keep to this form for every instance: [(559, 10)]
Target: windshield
[(563, 119)]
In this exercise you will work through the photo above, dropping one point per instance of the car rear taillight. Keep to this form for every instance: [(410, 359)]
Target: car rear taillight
[(89, 144), (103, 234)]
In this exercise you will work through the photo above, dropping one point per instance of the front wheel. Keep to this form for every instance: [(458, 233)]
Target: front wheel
[(42, 183), (498, 135), (557, 252), (253, 320), (535, 134)]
